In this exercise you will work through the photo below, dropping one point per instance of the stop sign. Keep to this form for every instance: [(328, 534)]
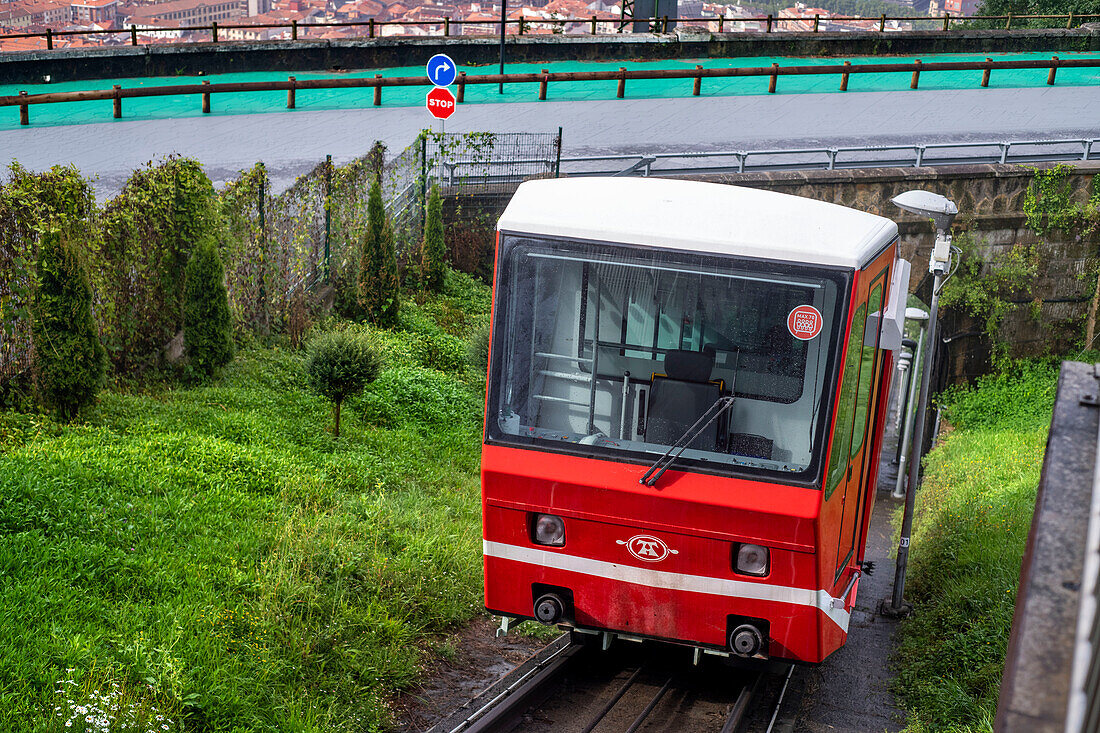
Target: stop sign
[(440, 103)]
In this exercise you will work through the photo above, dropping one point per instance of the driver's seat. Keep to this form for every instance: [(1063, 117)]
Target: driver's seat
[(680, 396)]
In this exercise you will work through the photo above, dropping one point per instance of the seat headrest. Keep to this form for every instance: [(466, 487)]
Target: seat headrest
[(691, 366)]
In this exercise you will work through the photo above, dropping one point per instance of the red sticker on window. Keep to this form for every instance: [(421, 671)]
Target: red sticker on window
[(804, 322)]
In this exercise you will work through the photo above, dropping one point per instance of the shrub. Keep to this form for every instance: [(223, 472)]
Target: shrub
[(70, 360), (207, 329), (434, 250), (341, 364), (477, 348), (378, 281)]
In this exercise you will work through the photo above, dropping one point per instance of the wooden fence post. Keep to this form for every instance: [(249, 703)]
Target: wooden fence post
[(133, 35), (206, 100), (446, 25), (461, 87), (916, 75), (1053, 71), (882, 24), (371, 26), (24, 111), (985, 74), (118, 102), (49, 39), (946, 21), (290, 94), (774, 79), (622, 82), (542, 84), (698, 86), (1008, 22), (844, 77), (214, 31), (378, 91), (769, 27), (294, 30), (593, 25), (817, 22)]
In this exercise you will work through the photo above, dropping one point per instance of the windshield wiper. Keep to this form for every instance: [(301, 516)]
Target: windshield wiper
[(713, 412)]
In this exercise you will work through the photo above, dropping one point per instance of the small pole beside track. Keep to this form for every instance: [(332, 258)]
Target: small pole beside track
[(206, 99), (844, 77), (985, 74), (290, 93), (118, 102)]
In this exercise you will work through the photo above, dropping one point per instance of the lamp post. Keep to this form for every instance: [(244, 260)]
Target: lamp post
[(503, 20), (942, 211), (912, 314)]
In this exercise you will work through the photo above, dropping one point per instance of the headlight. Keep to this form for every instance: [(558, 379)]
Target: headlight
[(549, 530), (751, 560)]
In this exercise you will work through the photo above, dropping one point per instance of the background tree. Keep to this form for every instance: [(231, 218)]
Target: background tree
[(70, 362), (207, 327), (339, 365), (433, 251), (378, 282)]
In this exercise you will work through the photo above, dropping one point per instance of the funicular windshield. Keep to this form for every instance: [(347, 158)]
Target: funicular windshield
[(616, 351)]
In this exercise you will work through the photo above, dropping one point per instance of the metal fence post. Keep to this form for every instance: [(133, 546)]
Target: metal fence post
[(557, 155), (328, 210)]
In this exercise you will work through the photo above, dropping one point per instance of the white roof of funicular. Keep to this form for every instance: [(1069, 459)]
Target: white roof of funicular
[(698, 216)]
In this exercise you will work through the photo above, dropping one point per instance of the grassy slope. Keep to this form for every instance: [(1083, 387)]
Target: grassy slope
[(973, 516), (211, 555)]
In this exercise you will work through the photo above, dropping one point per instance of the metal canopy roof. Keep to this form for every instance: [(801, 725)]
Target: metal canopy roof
[(700, 217)]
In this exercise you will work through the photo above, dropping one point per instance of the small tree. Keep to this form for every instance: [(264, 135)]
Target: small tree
[(340, 364), (70, 361), (434, 250), (378, 283), (207, 328)]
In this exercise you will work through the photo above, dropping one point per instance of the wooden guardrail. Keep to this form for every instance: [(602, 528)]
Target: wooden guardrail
[(291, 86), (771, 23)]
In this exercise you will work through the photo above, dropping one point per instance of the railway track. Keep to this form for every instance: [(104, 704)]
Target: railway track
[(631, 688)]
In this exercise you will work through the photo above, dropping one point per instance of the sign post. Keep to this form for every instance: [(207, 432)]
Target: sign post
[(442, 72)]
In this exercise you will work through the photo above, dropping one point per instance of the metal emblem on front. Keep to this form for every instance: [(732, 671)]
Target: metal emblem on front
[(647, 548)]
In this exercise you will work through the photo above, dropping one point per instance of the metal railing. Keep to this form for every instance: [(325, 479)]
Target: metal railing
[(742, 161), (291, 86), (660, 24)]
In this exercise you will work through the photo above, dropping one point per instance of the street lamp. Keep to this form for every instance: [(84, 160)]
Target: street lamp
[(942, 211)]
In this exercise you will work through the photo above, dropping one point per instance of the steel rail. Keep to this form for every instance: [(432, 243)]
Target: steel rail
[(741, 705), (779, 702), (611, 703), (640, 720), (519, 693), (23, 99)]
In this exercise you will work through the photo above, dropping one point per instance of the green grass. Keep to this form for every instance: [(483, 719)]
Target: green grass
[(210, 554), (973, 515)]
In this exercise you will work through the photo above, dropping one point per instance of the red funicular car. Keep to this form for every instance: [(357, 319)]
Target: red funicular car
[(686, 393)]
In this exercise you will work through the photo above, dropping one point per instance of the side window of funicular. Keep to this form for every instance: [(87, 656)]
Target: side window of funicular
[(611, 349)]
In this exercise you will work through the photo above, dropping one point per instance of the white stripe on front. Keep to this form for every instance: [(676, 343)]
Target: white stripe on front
[(724, 587)]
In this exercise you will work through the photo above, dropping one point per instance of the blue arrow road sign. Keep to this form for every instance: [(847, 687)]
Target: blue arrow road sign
[(441, 70)]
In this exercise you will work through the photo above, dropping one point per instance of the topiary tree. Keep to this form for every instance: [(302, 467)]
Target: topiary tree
[(340, 364), (207, 327), (434, 250), (378, 283), (70, 362)]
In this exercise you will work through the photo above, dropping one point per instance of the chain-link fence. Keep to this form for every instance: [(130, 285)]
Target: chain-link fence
[(287, 256)]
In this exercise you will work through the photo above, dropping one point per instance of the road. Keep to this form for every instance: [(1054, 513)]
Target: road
[(291, 142)]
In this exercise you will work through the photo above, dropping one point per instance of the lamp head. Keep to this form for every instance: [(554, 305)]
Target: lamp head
[(939, 209)]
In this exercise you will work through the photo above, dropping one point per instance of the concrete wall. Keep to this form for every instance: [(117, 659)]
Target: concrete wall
[(285, 56), (990, 200)]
